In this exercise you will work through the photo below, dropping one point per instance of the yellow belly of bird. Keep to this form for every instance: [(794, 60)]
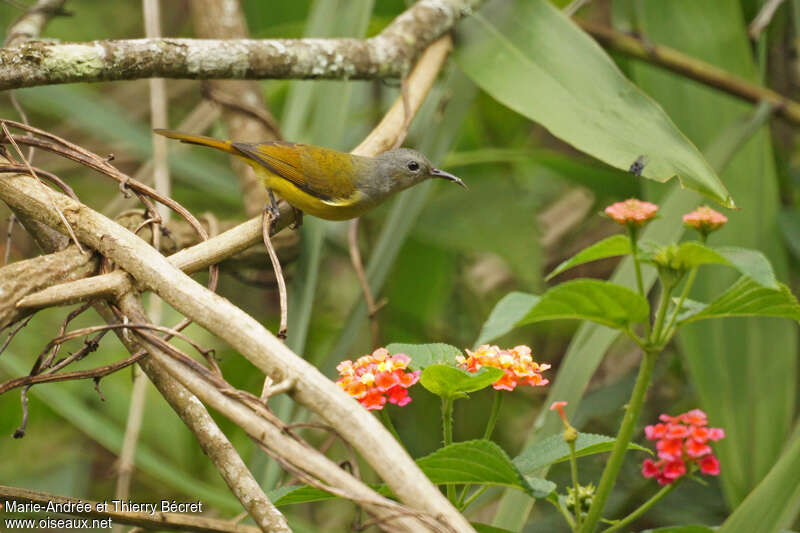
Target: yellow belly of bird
[(340, 209)]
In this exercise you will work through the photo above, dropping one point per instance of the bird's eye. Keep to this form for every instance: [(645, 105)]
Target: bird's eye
[(413, 166)]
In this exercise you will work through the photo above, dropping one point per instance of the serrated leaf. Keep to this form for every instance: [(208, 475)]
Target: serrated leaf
[(610, 247), (425, 355), (750, 263), (539, 55), (540, 487), (553, 449), (451, 382), (589, 299), (747, 298), (473, 461), (294, 494), (505, 315)]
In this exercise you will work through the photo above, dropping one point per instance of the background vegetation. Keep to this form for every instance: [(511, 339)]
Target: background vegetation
[(440, 257)]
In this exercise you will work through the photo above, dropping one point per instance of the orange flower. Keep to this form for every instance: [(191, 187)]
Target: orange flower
[(632, 212), (680, 440), (705, 220), (517, 363), (377, 378)]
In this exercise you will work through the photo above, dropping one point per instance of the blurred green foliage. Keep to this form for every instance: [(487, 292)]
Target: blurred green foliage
[(441, 258)]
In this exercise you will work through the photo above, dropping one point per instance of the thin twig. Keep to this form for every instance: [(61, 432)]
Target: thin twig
[(355, 259), (764, 17), (276, 266), (13, 332), (9, 232), (69, 229)]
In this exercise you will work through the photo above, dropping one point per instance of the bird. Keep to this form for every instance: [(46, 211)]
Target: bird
[(322, 182)]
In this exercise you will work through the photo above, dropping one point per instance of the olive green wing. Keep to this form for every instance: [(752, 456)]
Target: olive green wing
[(322, 173)]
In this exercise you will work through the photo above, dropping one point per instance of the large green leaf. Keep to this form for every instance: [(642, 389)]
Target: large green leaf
[(544, 67), (610, 247), (553, 449), (774, 503), (748, 298), (589, 299), (450, 382), (505, 315), (474, 461)]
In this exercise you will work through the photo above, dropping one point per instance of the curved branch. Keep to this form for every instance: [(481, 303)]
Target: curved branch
[(389, 54)]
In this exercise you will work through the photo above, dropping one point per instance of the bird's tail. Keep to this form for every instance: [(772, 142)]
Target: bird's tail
[(225, 146)]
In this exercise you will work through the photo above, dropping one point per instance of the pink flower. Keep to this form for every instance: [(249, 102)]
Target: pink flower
[(377, 378), (516, 362), (682, 446), (632, 212), (705, 220)]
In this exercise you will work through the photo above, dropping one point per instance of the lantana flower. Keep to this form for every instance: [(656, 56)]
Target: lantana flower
[(705, 220), (682, 446), (632, 212), (516, 362), (377, 378)]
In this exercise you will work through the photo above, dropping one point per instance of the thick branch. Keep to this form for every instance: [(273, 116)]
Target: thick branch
[(389, 54), (692, 68)]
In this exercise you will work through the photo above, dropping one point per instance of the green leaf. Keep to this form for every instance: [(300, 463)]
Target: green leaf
[(505, 315), (589, 299), (610, 247), (542, 488), (747, 298), (451, 382), (541, 56), (294, 494), (485, 528), (473, 461), (751, 263), (553, 449), (425, 355)]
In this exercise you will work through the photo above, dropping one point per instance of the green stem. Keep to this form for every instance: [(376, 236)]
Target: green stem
[(497, 403), (636, 265), (447, 433), (642, 508), (623, 439), (661, 314), (668, 331), (573, 464), (564, 513), (387, 421), (474, 497)]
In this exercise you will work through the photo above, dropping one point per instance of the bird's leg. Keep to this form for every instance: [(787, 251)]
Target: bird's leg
[(298, 218), (272, 208)]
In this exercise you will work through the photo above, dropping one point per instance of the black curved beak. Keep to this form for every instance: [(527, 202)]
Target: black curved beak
[(436, 173)]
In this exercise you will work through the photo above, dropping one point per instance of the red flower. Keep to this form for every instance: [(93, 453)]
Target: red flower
[(377, 378), (632, 212), (516, 362), (705, 220), (682, 445)]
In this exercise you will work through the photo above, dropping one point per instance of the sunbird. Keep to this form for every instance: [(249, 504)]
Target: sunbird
[(322, 182)]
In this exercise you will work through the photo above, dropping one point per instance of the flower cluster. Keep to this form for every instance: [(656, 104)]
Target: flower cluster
[(374, 379), (705, 220), (680, 440), (632, 212), (519, 366)]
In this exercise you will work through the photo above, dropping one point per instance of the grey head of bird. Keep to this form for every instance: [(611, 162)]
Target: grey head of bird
[(402, 168)]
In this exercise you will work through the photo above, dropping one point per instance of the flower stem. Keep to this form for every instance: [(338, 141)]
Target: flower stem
[(623, 439), (447, 434), (473, 497), (668, 331), (635, 252), (641, 509), (387, 421), (573, 464), (497, 403), (661, 314), (564, 513)]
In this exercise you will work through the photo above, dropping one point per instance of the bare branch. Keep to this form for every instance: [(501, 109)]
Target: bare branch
[(389, 54)]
